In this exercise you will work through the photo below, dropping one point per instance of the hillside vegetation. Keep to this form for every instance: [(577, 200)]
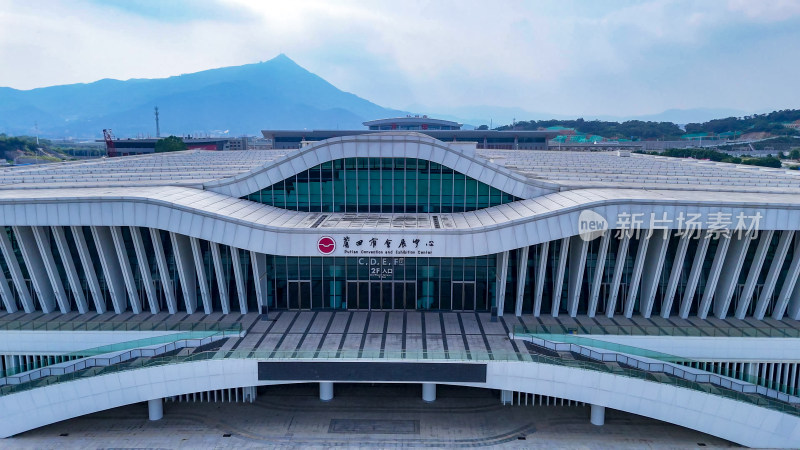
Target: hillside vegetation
[(772, 123)]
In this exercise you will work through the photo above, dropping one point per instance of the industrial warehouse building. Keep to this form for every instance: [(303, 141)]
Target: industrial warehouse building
[(657, 286)]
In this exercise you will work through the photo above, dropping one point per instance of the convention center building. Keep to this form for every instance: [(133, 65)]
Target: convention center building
[(662, 287)]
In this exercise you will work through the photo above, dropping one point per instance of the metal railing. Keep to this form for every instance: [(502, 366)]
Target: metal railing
[(665, 368), (88, 363), (55, 325), (656, 330)]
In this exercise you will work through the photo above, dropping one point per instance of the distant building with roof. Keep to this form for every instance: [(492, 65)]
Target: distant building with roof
[(443, 130)]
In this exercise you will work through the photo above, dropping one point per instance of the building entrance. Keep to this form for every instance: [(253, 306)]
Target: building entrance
[(299, 294), (369, 295)]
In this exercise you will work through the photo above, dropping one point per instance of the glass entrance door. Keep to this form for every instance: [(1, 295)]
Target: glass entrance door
[(357, 295), (405, 295), (299, 294), (463, 296)]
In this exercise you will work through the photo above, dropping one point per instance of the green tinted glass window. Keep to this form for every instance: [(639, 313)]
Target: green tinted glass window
[(381, 185)]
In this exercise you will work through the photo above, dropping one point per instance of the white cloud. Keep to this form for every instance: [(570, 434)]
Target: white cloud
[(578, 57)]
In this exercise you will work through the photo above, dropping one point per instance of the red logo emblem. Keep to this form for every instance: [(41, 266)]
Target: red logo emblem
[(326, 245)]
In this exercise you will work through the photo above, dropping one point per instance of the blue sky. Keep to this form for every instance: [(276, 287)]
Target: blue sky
[(570, 57)]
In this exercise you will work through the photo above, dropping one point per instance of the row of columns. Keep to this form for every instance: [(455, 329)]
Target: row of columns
[(727, 263), (116, 265)]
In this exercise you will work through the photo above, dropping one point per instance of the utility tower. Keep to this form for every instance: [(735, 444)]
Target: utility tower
[(158, 129)]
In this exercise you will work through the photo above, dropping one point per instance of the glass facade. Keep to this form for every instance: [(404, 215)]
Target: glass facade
[(365, 283), (381, 185)]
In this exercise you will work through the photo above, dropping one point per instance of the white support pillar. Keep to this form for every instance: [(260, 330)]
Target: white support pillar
[(163, 271), (675, 274), (125, 268), (522, 274), (501, 275), (694, 274), (598, 415), (42, 237), (752, 276), (772, 274), (789, 283), (578, 249), (651, 274), (713, 275), (237, 273), (597, 279), (69, 269), (429, 392), (182, 250), (110, 263), (558, 282), (636, 275), (6, 294), (222, 284), (36, 269), (325, 390), (144, 270), (258, 263), (541, 270), (200, 268), (88, 269), (155, 409), (7, 252), (506, 397), (729, 277), (619, 266)]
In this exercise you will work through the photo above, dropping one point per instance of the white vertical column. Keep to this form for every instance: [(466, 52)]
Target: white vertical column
[(653, 265), (558, 285), (694, 274), (729, 277), (125, 268), (163, 271), (42, 238), (541, 270), (237, 273), (155, 409), (222, 284), (258, 262), (789, 283), (325, 390), (578, 249), (752, 275), (6, 294), (598, 415), (429, 392), (200, 268), (36, 269), (144, 269), (88, 269), (713, 275), (522, 274), (597, 279), (182, 250), (110, 263), (636, 275), (7, 252), (69, 269), (772, 275), (501, 274), (675, 274), (619, 267)]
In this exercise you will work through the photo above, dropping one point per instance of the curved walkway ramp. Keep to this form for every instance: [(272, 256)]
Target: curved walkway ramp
[(722, 416)]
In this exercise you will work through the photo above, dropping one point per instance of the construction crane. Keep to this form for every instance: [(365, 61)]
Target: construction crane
[(111, 149)]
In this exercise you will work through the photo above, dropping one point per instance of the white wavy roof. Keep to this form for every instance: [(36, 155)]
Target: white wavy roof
[(548, 171)]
